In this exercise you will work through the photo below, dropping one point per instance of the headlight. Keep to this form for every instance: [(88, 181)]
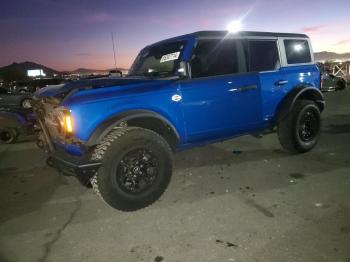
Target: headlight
[(68, 123), (65, 120)]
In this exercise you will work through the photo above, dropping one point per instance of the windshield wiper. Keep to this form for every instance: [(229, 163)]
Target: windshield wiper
[(156, 73)]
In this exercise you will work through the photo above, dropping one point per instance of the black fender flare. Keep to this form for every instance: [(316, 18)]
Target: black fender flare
[(105, 127), (300, 92)]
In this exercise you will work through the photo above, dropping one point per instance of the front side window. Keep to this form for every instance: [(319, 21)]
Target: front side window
[(213, 57), (158, 61), (297, 51), (262, 55)]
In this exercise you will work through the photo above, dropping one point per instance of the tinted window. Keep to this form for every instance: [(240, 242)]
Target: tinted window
[(263, 55), (297, 51), (214, 57), (159, 60)]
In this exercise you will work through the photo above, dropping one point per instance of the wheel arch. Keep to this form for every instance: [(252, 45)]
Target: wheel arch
[(140, 118), (300, 92)]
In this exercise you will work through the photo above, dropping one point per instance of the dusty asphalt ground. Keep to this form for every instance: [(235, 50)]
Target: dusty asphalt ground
[(241, 200)]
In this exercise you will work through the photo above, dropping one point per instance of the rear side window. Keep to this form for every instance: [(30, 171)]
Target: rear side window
[(297, 51), (213, 57), (262, 55)]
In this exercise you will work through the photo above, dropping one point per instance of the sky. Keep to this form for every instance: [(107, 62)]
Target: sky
[(70, 34)]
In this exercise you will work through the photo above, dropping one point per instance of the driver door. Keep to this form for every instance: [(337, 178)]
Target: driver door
[(221, 99)]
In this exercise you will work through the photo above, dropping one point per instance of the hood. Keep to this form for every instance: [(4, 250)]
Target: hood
[(63, 89)]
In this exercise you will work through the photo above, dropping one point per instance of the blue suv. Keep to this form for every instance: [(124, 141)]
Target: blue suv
[(118, 134)]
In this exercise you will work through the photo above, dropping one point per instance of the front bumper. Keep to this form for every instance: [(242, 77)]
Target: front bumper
[(79, 166), (68, 165)]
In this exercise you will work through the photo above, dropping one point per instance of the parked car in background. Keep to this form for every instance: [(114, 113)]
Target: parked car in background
[(118, 134), (33, 85), (330, 82), (15, 123), (9, 99)]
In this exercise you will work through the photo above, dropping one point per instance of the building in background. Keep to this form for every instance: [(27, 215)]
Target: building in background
[(35, 73)]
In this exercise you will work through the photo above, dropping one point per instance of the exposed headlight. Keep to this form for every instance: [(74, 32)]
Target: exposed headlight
[(65, 120), (68, 123)]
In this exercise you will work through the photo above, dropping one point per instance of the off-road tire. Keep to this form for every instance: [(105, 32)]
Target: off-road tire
[(288, 132), (113, 147), (8, 135)]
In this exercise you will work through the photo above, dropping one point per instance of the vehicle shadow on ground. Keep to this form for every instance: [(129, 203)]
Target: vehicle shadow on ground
[(212, 156), (25, 190), (3, 259), (337, 129), (340, 124)]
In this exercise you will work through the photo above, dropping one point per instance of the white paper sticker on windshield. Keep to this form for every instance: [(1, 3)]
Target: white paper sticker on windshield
[(170, 57)]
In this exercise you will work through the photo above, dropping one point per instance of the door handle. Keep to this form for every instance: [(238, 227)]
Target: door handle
[(243, 89), (247, 88), (281, 82)]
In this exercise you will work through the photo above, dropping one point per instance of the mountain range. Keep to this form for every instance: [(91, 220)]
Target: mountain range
[(328, 56), (18, 71)]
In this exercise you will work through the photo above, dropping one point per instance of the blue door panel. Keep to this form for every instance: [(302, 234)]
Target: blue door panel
[(276, 85), (220, 106)]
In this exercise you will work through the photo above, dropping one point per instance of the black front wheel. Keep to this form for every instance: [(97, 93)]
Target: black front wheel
[(136, 168), (300, 130)]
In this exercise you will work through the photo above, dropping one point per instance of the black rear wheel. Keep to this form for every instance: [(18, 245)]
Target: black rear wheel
[(300, 130), (8, 135), (136, 168)]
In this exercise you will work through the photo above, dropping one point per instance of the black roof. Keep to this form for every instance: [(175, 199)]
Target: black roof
[(222, 34), (247, 33)]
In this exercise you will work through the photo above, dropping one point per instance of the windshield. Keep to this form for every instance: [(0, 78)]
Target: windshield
[(158, 61)]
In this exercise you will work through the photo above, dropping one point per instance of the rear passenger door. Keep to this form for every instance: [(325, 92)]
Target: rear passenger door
[(294, 67), (263, 58), (221, 99)]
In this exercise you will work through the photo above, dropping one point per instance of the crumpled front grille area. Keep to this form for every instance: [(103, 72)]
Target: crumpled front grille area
[(45, 111)]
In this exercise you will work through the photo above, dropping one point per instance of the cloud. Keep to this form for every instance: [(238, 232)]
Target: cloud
[(344, 41), (313, 29)]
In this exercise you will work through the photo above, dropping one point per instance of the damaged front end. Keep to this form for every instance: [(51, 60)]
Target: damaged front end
[(66, 153)]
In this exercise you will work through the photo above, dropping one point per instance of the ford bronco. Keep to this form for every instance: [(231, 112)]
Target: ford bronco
[(118, 134)]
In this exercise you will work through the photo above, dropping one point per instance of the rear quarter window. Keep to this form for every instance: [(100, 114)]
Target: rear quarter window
[(262, 55), (297, 51)]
